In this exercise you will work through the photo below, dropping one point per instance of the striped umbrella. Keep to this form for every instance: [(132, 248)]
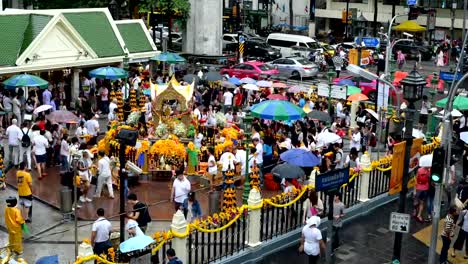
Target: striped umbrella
[(168, 57), (25, 80), (277, 110), (110, 73)]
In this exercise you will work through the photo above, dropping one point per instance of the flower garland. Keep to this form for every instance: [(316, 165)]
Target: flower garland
[(230, 133), (219, 148), (168, 148), (145, 147)]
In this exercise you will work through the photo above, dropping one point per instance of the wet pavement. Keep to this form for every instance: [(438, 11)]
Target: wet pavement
[(365, 240)]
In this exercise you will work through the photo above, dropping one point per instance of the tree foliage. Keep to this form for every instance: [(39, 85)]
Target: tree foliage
[(64, 4), (178, 7)]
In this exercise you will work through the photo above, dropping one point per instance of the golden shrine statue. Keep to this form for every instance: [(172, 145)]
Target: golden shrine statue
[(172, 101)]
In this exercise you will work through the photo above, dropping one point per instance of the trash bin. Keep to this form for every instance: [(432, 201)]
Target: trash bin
[(65, 200), (214, 201)]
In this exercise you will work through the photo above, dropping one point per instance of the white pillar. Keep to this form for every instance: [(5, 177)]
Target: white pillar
[(179, 225), (85, 250), (75, 85), (311, 29), (255, 199), (365, 178), (354, 106)]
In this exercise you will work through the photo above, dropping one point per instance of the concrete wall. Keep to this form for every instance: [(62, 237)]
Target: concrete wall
[(204, 31)]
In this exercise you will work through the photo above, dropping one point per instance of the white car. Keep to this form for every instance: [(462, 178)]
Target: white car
[(230, 39), (295, 67)]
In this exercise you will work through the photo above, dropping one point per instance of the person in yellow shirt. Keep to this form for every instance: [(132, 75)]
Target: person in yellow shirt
[(14, 221), (24, 183)]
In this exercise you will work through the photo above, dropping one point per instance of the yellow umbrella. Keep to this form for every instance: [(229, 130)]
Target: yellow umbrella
[(410, 26)]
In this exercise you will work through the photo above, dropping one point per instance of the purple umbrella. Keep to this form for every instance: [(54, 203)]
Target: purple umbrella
[(300, 157), (346, 82)]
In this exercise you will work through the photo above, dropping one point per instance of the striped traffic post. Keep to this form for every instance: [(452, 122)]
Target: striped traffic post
[(241, 48)]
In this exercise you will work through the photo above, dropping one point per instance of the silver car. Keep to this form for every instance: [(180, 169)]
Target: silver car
[(297, 67)]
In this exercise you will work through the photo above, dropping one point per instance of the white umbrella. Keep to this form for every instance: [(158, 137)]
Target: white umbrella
[(373, 113), (42, 108), (425, 161), (327, 138), (264, 84), (455, 113), (251, 86), (464, 137)]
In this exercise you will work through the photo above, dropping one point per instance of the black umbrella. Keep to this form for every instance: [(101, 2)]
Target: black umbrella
[(213, 76), (190, 78), (319, 115), (288, 171)]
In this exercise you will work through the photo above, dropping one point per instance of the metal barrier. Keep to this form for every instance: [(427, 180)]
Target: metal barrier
[(379, 182), (204, 247), (275, 221)]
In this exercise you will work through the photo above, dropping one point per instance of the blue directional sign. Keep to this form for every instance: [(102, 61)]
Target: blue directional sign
[(332, 179), (241, 39), (449, 76), (411, 2), (368, 41)]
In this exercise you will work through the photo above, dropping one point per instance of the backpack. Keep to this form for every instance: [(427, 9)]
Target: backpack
[(422, 176), (25, 140)]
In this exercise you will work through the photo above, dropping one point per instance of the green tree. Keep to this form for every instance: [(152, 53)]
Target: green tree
[(63, 4)]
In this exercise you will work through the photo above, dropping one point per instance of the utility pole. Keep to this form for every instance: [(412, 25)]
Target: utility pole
[(169, 20), (376, 9), (291, 15), (347, 17)]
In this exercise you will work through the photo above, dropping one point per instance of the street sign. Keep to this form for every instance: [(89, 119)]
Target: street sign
[(331, 180), (400, 222), (337, 91), (368, 41), (411, 2), (241, 39), (449, 76)]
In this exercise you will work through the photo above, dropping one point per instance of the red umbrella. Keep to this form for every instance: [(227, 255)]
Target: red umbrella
[(280, 85), (63, 116), (277, 97)]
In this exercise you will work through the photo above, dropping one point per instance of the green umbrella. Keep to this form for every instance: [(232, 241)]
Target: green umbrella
[(353, 90), (460, 103), (277, 110), (24, 80)]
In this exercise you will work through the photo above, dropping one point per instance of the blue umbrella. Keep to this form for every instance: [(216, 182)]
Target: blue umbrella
[(300, 157), (346, 82), (135, 243), (235, 81), (110, 73), (248, 80), (24, 80), (168, 57), (48, 260)]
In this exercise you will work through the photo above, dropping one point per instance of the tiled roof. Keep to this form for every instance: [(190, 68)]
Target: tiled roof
[(134, 37), (16, 33), (97, 31)]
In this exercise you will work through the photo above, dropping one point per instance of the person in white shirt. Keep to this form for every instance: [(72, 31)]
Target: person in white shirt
[(229, 116), (258, 157), (311, 240), (100, 236), (227, 100), (64, 154), (196, 111), (339, 110), (423, 114), (80, 132), (85, 85), (17, 108), (148, 109), (112, 105), (356, 139), (112, 115), (40, 144), (180, 189), (92, 126), (105, 175), (14, 136), (104, 93), (212, 166), (24, 149)]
